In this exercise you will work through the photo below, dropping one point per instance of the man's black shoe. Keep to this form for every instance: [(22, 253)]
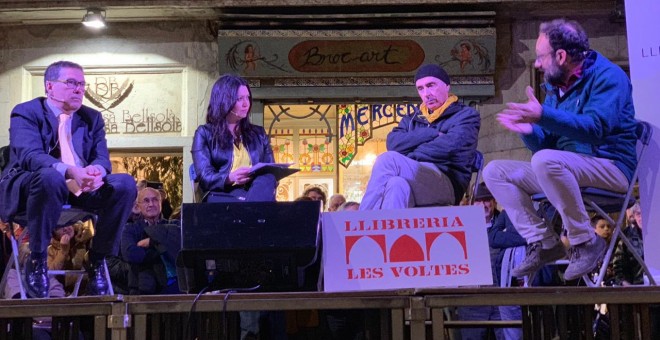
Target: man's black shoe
[(98, 282), (36, 277)]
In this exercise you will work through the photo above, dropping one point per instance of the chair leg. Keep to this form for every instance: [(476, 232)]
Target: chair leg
[(5, 276), (13, 263), (76, 287), (111, 291)]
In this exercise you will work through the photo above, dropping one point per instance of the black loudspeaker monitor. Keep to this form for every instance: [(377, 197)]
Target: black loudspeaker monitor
[(273, 245)]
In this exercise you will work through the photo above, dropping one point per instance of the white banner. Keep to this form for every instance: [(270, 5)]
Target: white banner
[(644, 53), (406, 248)]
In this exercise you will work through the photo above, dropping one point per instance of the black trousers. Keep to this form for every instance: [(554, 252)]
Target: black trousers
[(260, 189), (44, 193)]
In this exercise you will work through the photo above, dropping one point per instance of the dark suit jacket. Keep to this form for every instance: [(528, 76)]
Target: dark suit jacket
[(34, 146)]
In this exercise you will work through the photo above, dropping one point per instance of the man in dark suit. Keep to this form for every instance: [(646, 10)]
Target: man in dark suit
[(59, 155)]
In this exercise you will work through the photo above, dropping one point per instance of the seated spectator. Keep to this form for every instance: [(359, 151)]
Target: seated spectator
[(602, 227), (316, 194), (166, 205), (349, 206), (336, 201), (150, 246), (484, 199), (176, 214), (627, 270), (68, 249), (119, 270)]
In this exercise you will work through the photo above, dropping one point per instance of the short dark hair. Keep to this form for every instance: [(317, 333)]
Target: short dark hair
[(594, 220), (53, 70), (567, 35)]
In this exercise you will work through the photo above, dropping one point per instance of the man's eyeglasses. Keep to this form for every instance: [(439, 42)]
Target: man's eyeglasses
[(71, 83), (542, 56)]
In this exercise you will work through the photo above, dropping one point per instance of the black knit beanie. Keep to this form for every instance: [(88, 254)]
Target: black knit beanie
[(432, 70)]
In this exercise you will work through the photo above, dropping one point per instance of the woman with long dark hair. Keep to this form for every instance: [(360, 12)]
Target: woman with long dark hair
[(227, 146)]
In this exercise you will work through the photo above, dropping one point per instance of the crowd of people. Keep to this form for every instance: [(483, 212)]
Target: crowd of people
[(582, 134)]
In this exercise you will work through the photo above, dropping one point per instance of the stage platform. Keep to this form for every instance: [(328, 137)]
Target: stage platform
[(548, 312)]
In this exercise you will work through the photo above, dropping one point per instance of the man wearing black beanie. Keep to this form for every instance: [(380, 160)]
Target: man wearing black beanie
[(430, 152)]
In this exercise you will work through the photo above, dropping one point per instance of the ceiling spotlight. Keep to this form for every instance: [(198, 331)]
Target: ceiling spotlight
[(94, 18)]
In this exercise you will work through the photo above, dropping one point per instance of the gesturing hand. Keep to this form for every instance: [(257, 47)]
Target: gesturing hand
[(510, 123), (519, 117)]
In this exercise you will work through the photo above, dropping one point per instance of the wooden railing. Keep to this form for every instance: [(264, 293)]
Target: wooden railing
[(566, 312)]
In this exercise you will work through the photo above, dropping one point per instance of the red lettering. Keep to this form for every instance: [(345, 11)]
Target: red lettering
[(464, 268), (396, 271), (365, 273), (411, 271)]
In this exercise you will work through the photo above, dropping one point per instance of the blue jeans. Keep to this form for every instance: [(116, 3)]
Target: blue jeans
[(511, 313), (479, 313)]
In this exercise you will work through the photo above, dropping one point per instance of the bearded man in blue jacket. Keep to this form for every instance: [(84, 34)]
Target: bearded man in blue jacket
[(583, 135), (430, 152)]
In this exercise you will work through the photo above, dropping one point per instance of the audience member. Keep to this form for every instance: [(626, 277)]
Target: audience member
[(166, 205), (227, 146), (602, 227), (484, 199), (149, 251), (53, 163), (336, 201), (68, 248), (627, 271), (430, 152), (316, 194), (350, 206), (141, 184), (582, 135)]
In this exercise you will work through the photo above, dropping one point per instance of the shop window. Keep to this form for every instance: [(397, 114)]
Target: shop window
[(334, 145)]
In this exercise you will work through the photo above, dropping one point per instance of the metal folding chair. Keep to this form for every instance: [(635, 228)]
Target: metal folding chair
[(477, 168), (603, 202), (69, 215)]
